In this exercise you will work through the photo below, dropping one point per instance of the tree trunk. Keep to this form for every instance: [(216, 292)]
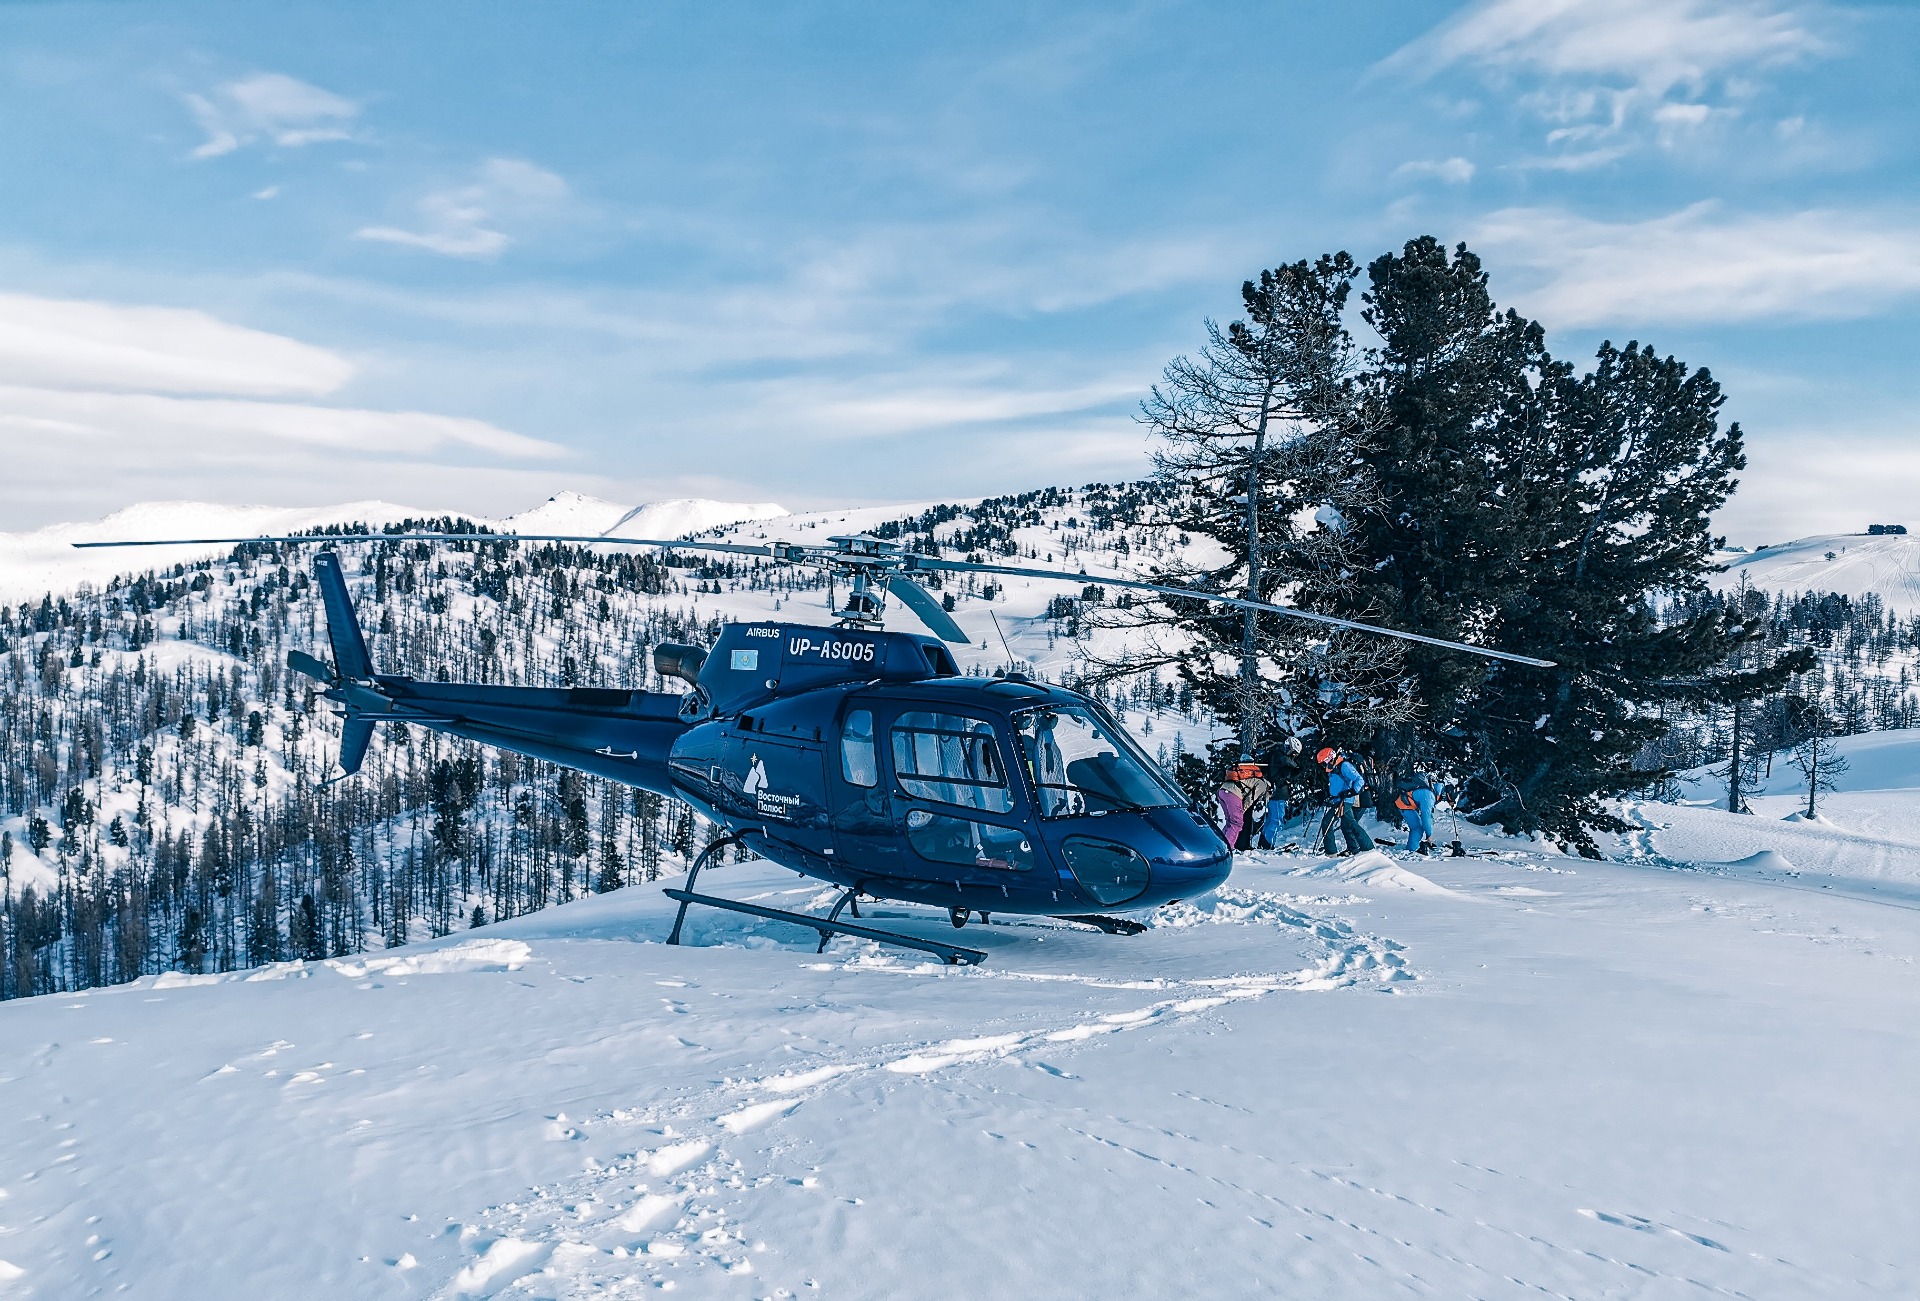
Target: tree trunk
[(1250, 623), (1735, 804)]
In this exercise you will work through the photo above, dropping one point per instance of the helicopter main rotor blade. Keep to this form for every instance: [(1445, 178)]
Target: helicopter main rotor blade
[(309, 539), (962, 566), (921, 602)]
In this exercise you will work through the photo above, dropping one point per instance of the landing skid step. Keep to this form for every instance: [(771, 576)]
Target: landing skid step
[(1111, 925), (951, 954)]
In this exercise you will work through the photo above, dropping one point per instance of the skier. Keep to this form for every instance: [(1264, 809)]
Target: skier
[(1243, 804), (1414, 798), (1282, 772), (1344, 785), (1256, 792), (1233, 807)]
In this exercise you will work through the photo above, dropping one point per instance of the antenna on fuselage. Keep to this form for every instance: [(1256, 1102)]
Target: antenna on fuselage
[(1003, 640)]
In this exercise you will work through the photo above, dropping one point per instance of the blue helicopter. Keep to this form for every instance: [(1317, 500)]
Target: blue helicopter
[(849, 754)]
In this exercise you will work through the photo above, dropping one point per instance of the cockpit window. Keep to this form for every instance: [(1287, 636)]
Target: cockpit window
[(1081, 763), (952, 759)]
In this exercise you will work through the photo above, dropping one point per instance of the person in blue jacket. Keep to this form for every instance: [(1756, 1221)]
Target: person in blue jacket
[(1344, 785), (1415, 802)]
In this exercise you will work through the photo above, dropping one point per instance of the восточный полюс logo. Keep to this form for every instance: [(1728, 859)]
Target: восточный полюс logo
[(765, 801)]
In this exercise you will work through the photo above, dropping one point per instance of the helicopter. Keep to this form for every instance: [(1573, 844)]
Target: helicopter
[(850, 754)]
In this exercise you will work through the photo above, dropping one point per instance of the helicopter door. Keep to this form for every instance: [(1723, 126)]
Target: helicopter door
[(953, 798), (864, 836)]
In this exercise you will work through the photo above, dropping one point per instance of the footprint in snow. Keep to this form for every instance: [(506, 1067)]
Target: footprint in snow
[(1640, 1224)]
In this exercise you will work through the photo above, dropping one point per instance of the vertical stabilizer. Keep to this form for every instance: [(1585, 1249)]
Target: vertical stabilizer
[(350, 658)]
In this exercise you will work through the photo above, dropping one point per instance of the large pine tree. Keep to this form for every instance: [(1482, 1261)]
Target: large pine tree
[(1542, 512), (1462, 484)]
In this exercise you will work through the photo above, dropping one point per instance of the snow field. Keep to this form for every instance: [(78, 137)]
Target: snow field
[(1635, 1083)]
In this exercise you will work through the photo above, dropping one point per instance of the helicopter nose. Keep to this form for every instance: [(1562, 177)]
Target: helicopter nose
[(1194, 858)]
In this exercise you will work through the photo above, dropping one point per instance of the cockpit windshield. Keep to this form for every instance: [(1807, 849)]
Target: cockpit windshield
[(1081, 763)]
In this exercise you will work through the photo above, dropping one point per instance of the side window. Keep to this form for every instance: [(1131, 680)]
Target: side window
[(952, 759), (857, 762), (942, 839)]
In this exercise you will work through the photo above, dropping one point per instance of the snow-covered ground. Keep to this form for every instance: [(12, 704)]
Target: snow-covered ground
[(1864, 839), (574, 512), (1855, 563), (1516, 1074)]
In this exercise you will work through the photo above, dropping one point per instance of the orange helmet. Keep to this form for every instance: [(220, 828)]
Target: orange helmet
[(1327, 755)]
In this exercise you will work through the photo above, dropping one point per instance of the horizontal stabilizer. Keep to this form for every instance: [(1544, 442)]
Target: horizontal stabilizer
[(301, 662)]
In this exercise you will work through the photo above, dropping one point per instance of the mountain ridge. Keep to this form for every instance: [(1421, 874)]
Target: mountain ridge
[(44, 561)]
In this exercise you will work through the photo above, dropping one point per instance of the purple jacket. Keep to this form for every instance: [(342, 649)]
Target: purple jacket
[(1233, 810)]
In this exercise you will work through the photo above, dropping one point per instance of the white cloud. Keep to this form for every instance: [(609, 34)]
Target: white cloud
[(1450, 171), (62, 343), (462, 221), (907, 403), (1703, 265), (1655, 45), (100, 403), (270, 107), (1832, 479), (1601, 69), (226, 428)]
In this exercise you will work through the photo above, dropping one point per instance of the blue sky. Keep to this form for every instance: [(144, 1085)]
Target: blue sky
[(468, 255)]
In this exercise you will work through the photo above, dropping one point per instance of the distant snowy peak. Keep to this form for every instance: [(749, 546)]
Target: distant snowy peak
[(573, 512), (1854, 563), (566, 512)]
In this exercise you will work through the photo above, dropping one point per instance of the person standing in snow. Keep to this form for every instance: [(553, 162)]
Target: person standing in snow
[(1255, 791), (1344, 785), (1415, 799), (1232, 798), (1282, 772)]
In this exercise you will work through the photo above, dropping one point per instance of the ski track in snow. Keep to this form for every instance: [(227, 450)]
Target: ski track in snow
[(683, 1199)]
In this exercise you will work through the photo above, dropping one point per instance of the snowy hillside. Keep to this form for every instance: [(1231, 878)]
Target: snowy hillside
[(573, 512), (1865, 838), (1854, 563), (45, 560)]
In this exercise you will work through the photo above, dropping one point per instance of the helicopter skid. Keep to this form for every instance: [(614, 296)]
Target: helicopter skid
[(1111, 925), (951, 954)]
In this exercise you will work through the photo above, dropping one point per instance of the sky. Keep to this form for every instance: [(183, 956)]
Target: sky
[(465, 256)]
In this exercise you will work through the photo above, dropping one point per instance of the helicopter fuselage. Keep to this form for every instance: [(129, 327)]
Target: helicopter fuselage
[(863, 758)]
